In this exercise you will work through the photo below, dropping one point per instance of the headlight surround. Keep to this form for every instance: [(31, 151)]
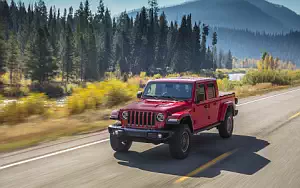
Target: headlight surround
[(125, 115), (160, 117)]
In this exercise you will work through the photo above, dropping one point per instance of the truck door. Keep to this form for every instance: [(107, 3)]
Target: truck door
[(212, 103), (200, 111)]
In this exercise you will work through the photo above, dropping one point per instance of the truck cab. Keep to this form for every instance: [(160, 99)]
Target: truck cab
[(170, 111)]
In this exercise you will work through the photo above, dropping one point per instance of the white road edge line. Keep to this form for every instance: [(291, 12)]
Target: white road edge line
[(105, 140), (52, 154), (261, 99)]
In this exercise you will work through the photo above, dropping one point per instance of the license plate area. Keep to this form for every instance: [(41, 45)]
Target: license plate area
[(137, 134)]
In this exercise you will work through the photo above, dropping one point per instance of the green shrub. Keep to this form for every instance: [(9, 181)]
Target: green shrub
[(117, 92), (267, 76), (227, 85), (294, 75), (143, 74), (16, 91), (4, 79), (220, 75), (157, 76), (103, 94), (173, 75), (51, 90), (16, 112)]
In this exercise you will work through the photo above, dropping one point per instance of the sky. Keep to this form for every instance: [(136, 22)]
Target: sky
[(117, 6)]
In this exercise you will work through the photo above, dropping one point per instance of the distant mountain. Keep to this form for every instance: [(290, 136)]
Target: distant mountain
[(254, 15), (246, 44), (286, 16)]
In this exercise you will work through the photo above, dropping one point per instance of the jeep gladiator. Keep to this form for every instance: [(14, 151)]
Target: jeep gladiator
[(170, 111)]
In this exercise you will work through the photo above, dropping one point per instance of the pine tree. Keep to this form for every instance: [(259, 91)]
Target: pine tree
[(3, 49), (139, 51), (161, 51), (214, 50), (114, 26), (195, 66), (40, 64), (171, 45), (181, 59), (221, 62), (123, 46), (70, 21), (13, 16), (91, 72), (69, 55), (229, 60), (5, 18), (203, 49), (209, 58), (107, 23), (83, 57), (153, 7), (13, 63), (99, 17)]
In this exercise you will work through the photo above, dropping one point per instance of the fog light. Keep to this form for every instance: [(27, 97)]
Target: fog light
[(159, 136)]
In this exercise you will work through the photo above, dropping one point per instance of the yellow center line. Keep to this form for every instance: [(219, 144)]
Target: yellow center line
[(205, 166), (294, 116)]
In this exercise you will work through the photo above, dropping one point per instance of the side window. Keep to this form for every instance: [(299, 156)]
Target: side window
[(211, 91), (200, 94)]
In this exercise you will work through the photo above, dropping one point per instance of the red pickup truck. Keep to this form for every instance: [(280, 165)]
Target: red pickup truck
[(171, 111)]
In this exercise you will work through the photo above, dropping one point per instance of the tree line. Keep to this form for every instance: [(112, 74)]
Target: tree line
[(248, 44), (42, 43)]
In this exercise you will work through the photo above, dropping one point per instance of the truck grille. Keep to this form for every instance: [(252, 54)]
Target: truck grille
[(140, 119)]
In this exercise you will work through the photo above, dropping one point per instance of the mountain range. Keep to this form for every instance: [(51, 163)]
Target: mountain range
[(253, 15)]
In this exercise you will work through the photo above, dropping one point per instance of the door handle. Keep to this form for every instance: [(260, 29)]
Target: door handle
[(206, 106), (215, 103)]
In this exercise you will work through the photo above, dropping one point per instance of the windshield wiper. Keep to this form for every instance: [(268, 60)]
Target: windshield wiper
[(150, 96), (170, 97)]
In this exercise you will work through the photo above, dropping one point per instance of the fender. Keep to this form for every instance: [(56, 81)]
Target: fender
[(114, 115), (177, 117), (223, 110)]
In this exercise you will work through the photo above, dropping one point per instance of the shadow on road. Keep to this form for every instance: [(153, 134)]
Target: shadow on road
[(205, 148)]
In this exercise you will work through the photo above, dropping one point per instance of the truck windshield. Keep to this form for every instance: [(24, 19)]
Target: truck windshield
[(168, 90)]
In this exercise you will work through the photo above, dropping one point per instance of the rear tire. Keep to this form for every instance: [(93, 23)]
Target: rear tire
[(180, 143), (119, 145), (226, 127)]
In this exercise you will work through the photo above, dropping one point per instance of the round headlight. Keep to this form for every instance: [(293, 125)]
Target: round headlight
[(160, 117), (125, 115)]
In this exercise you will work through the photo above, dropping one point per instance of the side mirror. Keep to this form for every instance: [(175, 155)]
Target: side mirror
[(236, 100), (139, 94)]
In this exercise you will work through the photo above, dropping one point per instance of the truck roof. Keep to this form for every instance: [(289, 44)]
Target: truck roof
[(184, 79)]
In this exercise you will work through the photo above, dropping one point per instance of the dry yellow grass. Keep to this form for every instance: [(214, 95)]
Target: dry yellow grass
[(37, 130), (259, 89), (56, 124)]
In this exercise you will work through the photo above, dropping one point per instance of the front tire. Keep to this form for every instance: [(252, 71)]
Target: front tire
[(180, 143), (226, 127), (119, 145)]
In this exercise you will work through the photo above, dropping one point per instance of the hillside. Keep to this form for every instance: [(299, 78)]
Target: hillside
[(281, 13), (254, 15), (245, 44)]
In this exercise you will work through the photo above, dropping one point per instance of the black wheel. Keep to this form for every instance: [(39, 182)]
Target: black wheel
[(180, 143), (119, 145), (226, 127)]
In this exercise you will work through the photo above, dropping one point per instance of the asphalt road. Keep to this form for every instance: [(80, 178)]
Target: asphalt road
[(264, 152)]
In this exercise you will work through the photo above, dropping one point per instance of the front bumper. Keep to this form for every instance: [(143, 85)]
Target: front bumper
[(141, 135)]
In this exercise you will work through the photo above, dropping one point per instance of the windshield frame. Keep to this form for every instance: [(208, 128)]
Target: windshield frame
[(168, 97)]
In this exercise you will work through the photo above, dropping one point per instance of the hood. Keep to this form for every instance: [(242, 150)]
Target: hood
[(158, 105)]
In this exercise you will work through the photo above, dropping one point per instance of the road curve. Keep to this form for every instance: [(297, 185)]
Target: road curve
[(264, 152)]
